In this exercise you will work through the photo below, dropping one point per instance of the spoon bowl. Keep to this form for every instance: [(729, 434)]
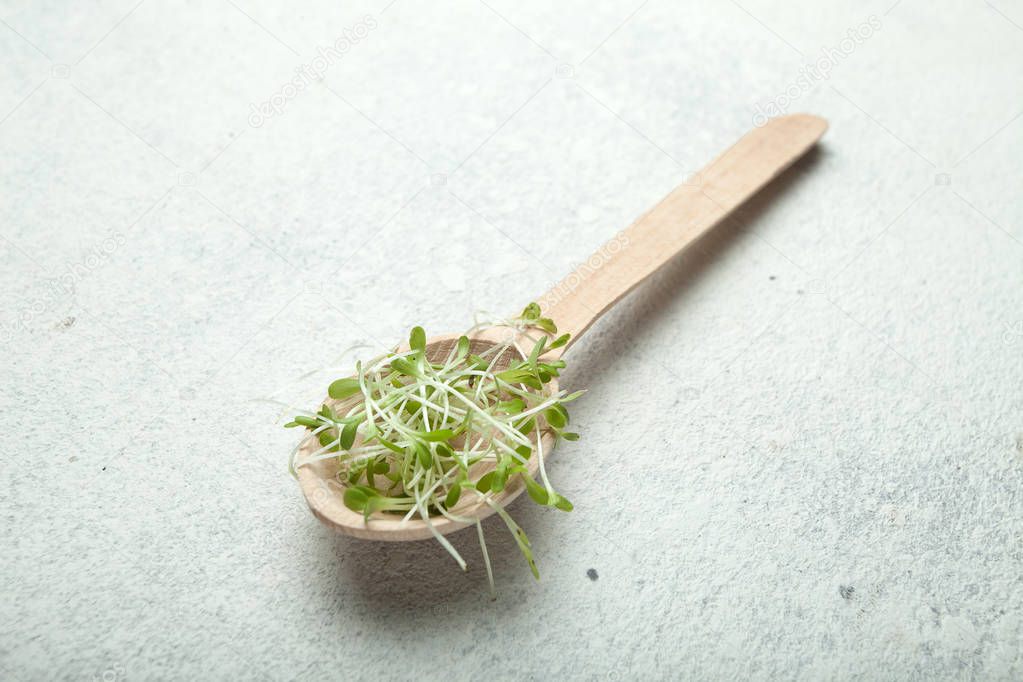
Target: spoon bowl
[(324, 491)]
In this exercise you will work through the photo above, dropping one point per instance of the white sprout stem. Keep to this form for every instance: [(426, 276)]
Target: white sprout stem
[(440, 538), (486, 556), (539, 459), (512, 435)]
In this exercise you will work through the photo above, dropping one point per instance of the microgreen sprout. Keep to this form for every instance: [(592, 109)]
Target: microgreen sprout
[(420, 436)]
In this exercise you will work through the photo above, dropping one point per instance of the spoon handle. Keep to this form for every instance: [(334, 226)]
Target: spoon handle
[(678, 221)]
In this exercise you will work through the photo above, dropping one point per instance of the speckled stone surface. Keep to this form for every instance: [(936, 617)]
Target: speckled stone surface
[(803, 442)]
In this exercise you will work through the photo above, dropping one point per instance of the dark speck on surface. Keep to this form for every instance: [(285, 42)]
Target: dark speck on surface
[(772, 278), (846, 591), (592, 574)]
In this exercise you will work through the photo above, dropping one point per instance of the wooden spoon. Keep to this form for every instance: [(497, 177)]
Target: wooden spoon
[(671, 226)]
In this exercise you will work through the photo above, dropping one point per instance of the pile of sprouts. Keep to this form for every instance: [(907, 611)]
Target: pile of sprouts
[(415, 435)]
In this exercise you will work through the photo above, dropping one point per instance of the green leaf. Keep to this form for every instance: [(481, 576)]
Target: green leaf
[(438, 435), (560, 502), (348, 435), (452, 497), (537, 351), (328, 412), (549, 369), (404, 366), (344, 388), (519, 375), (444, 451), (560, 341), (291, 425), (462, 350), (355, 498), (326, 437), (389, 445), (512, 406), (547, 324), (417, 339), (423, 454), (523, 542), (556, 416), (531, 312), (500, 475), (536, 491), (512, 376), (483, 485), (307, 422), (569, 435), (526, 426)]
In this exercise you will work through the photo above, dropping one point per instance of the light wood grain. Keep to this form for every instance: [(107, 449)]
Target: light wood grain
[(668, 229), (678, 221)]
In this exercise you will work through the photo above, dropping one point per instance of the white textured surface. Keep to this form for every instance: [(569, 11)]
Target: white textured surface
[(803, 444)]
